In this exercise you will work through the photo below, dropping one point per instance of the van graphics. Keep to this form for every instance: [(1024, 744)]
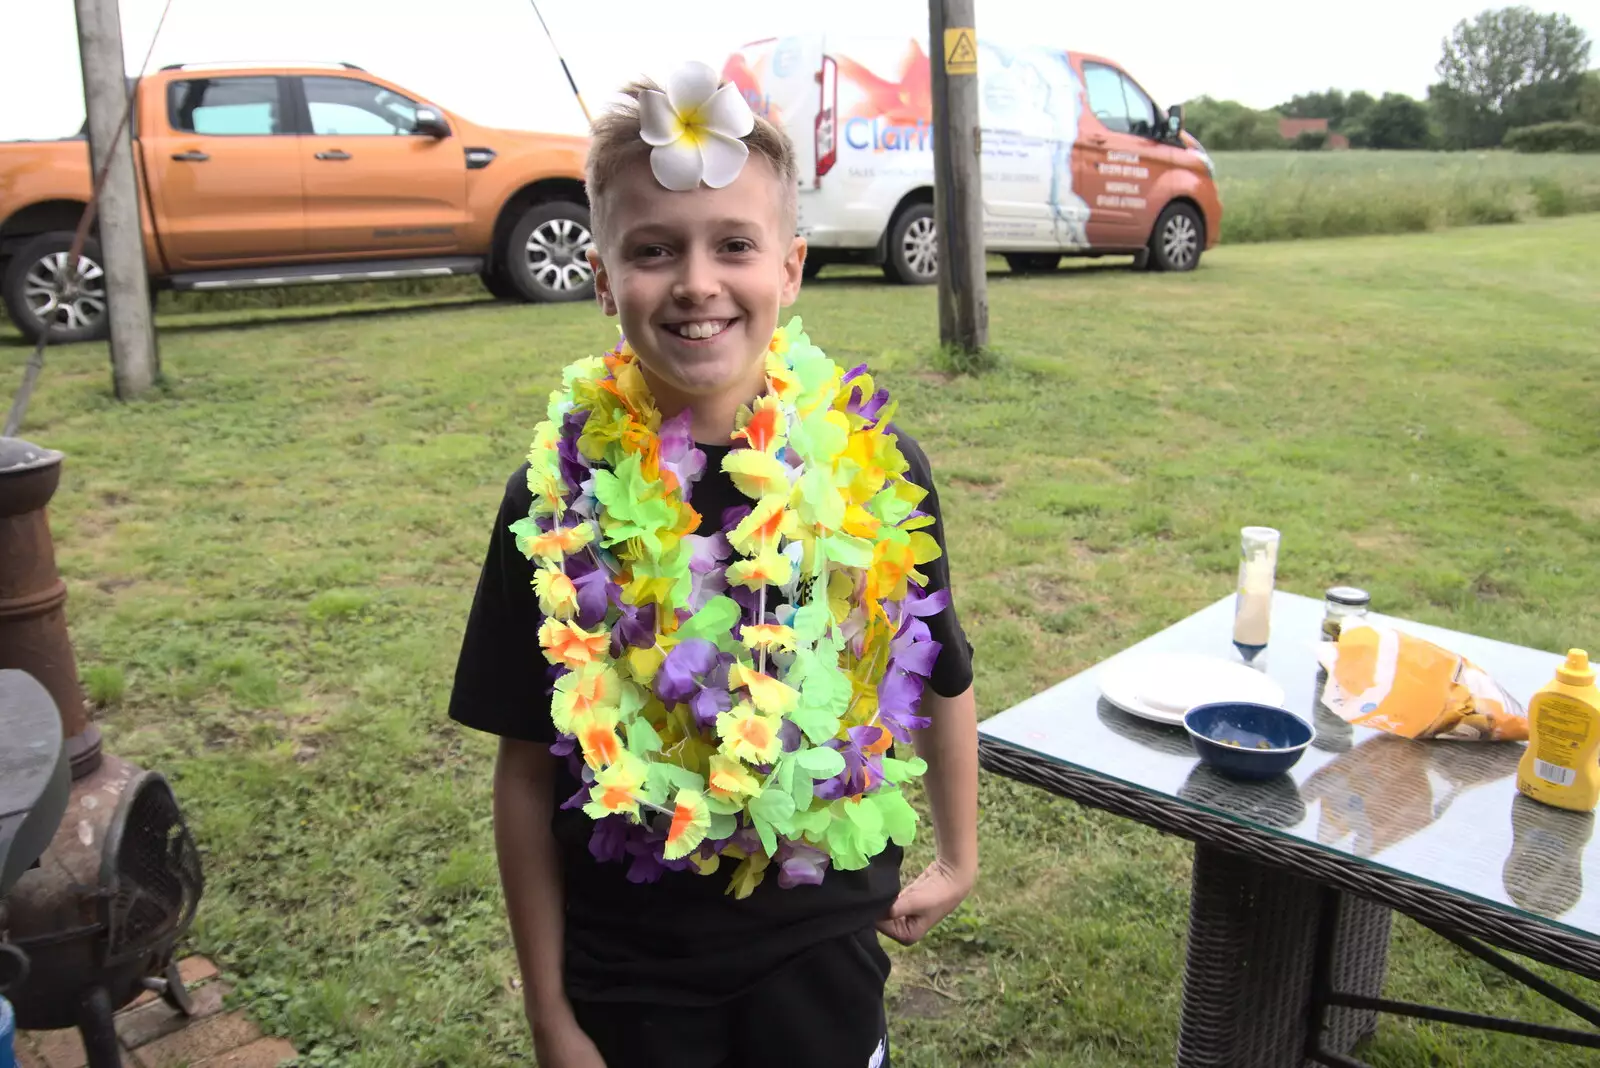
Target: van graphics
[(1031, 103)]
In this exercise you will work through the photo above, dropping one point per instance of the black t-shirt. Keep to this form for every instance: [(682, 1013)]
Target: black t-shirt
[(682, 940)]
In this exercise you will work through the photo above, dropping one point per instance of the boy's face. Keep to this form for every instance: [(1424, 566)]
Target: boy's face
[(697, 279)]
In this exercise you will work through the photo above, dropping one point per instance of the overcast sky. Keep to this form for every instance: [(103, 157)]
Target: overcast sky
[(489, 60)]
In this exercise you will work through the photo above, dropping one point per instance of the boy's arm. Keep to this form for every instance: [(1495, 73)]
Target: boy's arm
[(950, 746), (530, 874)]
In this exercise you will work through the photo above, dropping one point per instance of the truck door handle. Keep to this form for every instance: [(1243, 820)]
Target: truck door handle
[(336, 154), (190, 157)]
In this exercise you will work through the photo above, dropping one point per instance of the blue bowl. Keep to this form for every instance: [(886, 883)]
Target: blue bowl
[(1246, 740)]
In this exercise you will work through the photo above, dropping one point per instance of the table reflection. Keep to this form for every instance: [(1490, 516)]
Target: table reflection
[(1544, 872), (1381, 792)]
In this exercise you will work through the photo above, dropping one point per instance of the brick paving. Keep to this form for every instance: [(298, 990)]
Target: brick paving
[(153, 1035)]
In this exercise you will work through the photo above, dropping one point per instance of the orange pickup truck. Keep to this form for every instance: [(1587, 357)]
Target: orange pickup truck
[(298, 174)]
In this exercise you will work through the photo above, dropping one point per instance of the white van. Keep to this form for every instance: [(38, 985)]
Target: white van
[(1077, 158)]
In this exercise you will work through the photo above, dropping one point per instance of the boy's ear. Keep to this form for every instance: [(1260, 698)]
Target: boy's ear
[(794, 266), (602, 282)]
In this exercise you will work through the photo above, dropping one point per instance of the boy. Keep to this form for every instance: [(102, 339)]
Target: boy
[(673, 970)]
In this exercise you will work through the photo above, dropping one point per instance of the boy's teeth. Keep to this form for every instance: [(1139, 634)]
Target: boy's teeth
[(701, 331)]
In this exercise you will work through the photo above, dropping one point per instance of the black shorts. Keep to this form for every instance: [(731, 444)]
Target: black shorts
[(822, 1010)]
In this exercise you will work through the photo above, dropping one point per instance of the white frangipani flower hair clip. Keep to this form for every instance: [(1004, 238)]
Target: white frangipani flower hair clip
[(694, 129)]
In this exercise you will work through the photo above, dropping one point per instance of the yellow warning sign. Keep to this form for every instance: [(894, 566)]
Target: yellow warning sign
[(960, 50)]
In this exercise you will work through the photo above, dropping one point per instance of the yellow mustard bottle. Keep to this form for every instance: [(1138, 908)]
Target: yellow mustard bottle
[(1562, 764)]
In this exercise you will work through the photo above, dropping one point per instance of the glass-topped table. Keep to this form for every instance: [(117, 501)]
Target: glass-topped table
[(1294, 878)]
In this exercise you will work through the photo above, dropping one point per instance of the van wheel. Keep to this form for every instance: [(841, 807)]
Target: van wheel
[(545, 257), (1177, 240), (812, 268), (1033, 262), (913, 247), (39, 297)]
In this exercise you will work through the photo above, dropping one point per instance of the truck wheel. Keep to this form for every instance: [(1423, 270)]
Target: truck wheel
[(39, 296), (913, 247), (1177, 240), (545, 255), (1033, 262)]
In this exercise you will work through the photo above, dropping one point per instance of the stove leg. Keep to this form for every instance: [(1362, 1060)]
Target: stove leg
[(98, 1030)]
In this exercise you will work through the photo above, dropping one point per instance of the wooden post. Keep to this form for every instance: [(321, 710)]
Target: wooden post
[(958, 175), (134, 360)]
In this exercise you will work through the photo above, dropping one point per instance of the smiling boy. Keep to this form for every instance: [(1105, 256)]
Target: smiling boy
[(653, 962)]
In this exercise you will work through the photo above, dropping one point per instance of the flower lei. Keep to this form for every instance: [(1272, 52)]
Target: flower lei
[(734, 695)]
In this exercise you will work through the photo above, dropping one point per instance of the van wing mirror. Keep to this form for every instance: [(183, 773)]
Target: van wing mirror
[(1175, 121), (431, 123)]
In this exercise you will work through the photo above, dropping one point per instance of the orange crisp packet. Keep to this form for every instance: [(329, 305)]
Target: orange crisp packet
[(1382, 678)]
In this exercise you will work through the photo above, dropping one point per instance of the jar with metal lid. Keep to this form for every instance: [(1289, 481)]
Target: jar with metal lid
[(1342, 605)]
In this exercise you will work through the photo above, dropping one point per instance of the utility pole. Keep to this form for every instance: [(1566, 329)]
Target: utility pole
[(958, 175), (134, 360)]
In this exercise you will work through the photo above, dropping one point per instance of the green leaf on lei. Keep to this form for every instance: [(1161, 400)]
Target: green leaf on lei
[(803, 789), (890, 507), (712, 622), (899, 818), (722, 826), (867, 817), (811, 621), (634, 507), (774, 806), (847, 550), (721, 807), (824, 694), (642, 738), (524, 528), (674, 778), (821, 503), (821, 762), (897, 771), (772, 812), (631, 701), (844, 846), (815, 824)]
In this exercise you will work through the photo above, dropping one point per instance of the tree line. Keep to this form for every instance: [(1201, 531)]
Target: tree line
[(1511, 77)]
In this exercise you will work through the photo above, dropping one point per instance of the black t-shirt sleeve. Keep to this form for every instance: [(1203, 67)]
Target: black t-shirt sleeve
[(502, 680), (952, 671)]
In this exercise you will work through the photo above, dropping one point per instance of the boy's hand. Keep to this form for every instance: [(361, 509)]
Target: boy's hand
[(931, 897), (563, 1044)]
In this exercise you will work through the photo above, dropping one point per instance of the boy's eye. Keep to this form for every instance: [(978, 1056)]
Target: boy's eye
[(646, 252), (739, 245)]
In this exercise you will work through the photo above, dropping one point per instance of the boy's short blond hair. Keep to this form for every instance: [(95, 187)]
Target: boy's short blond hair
[(615, 144)]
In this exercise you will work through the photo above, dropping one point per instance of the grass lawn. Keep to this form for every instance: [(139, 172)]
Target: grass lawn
[(270, 563)]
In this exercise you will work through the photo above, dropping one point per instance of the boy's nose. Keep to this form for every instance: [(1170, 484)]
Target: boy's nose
[(697, 281)]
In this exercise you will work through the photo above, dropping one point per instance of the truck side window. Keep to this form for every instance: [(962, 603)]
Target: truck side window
[(349, 106), (240, 107), (1106, 98), (1142, 117)]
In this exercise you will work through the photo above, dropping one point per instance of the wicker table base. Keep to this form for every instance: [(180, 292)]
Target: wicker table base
[(1250, 970)]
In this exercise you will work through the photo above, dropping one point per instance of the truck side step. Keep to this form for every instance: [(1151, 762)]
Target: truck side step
[(323, 273)]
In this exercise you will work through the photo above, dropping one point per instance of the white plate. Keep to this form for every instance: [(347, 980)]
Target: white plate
[(1163, 686)]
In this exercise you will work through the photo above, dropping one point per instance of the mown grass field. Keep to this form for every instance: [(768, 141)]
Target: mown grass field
[(271, 559)]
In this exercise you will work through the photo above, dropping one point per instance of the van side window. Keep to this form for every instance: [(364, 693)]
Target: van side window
[(349, 106), (240, 107), (1142, 117), (1106, 97)]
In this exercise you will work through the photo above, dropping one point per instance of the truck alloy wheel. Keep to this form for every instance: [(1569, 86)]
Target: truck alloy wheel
[(42, 294), (546, 253)]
